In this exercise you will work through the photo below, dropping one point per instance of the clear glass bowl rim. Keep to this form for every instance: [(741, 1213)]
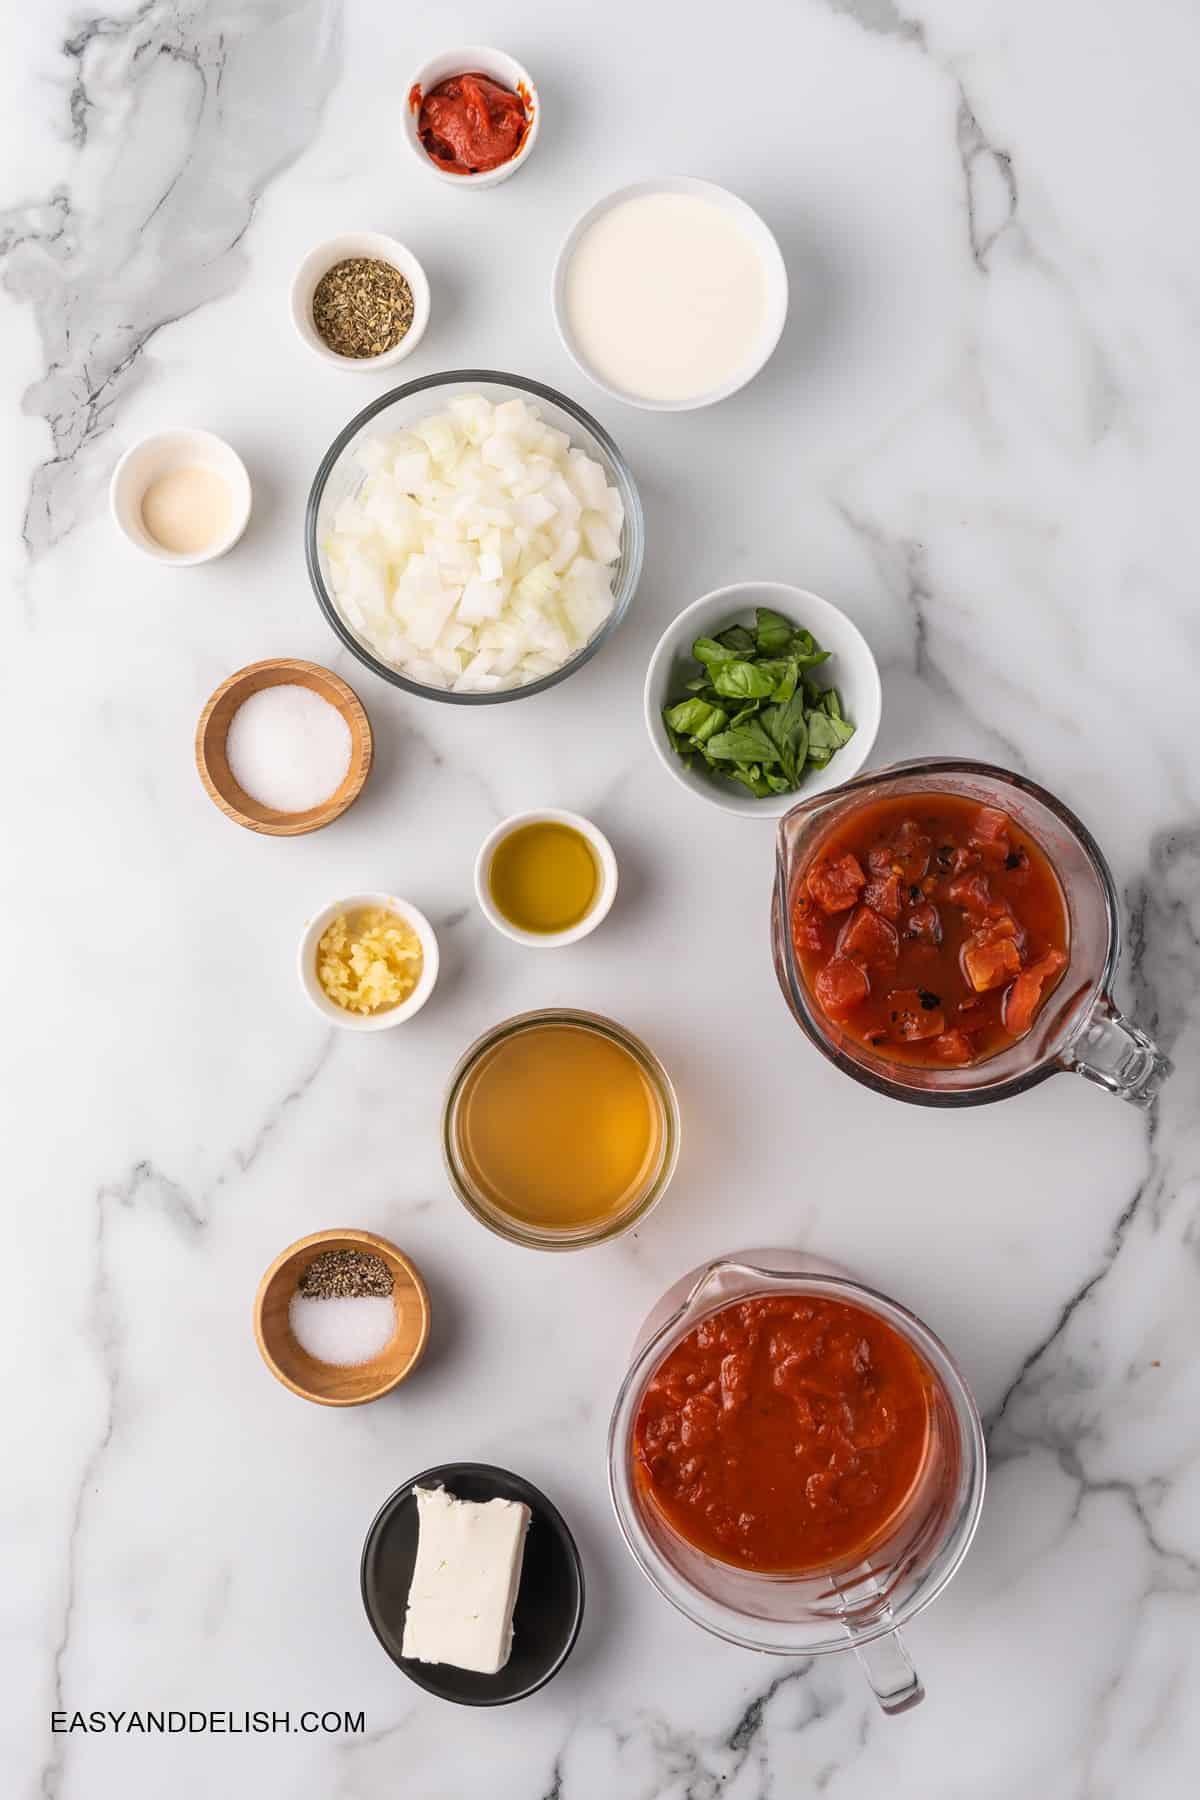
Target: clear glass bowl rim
[(711, 1615), (797, 995), (526, 1235), (633, 532)]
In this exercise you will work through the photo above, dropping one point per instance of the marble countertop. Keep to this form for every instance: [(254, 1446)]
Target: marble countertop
[(977, 436)]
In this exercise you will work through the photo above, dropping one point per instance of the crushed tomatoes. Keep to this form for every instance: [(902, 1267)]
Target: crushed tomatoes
[(786, 1432)]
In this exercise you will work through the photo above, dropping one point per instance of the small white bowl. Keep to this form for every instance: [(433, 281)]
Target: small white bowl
[(773, 266), (851, 669), (606, 862), (372, 244), (396, 1015), (474, 60), (160, 453)]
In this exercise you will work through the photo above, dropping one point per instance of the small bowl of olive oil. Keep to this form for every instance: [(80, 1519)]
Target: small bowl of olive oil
[(546, 878)]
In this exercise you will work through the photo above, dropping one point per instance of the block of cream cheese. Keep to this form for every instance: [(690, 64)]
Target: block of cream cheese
[(465, 1581)]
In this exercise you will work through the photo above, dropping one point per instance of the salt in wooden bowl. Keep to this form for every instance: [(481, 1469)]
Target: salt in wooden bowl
[(213, 763), (331, 1384)]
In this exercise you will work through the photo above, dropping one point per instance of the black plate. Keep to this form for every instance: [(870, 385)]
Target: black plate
[(549, 1607)]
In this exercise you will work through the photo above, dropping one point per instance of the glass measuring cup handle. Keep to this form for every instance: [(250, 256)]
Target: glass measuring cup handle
[(883, 1660), (1117, 1056), (887, 1666)]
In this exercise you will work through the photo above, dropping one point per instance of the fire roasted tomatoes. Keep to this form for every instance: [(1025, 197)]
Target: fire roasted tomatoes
[(931, 928)]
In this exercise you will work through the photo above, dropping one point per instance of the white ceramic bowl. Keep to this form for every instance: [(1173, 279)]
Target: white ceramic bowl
[(774, 270), (851, 669), (337, 249), (396, 1015), (473, 60), (157, 455), (606, 863)]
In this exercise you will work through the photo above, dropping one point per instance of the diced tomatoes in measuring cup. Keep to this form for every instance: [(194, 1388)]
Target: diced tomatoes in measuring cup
[(910, 851), (924, 923), (1022, 999), (972, 892), (989, 823), (841, 986), (990, 834), (836, 885), (808, 925), (990, 965), (960, 929), (915, 1014), (870, 939), (882, 895)]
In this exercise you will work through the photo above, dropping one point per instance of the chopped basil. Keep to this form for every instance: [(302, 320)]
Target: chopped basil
[(755, 714)]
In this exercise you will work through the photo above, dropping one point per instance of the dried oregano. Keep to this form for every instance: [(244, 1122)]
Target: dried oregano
[(362, 307)]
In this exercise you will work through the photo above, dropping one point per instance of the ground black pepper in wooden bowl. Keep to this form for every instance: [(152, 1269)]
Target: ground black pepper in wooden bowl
[(344, 1275), (362, 306)]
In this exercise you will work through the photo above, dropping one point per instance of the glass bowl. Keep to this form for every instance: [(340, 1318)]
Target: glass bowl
[(338, 476), (655, 1182)]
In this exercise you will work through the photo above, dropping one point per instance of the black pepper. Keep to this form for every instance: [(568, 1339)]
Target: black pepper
[(346, 1275)]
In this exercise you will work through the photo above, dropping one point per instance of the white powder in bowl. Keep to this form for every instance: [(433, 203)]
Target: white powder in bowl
[(343, 1331), (288, 748)]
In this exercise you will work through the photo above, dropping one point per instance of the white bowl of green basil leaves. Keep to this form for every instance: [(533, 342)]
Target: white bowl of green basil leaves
[(781, 702)]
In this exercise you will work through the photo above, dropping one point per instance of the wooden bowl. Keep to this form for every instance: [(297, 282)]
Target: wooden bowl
[(327, 1383), (213, 729)]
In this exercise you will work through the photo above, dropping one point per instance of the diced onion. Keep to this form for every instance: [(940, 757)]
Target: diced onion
[(477, 552)]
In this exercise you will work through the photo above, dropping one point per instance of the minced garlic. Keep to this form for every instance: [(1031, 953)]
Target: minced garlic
[(369, 961)]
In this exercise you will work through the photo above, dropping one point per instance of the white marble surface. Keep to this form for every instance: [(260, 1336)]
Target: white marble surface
[(978, 437)]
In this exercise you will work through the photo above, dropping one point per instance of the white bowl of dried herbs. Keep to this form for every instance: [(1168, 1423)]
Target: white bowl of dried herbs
[(361, 300)]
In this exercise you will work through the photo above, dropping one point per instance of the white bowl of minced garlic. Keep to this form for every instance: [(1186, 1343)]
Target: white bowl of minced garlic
[(368, 962)]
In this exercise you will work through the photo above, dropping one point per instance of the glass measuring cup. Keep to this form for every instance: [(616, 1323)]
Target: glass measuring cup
[(857, 1608), (1079, 1028)]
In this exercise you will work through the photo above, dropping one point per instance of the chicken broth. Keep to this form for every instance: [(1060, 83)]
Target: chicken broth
[(930, 928), (559, 1127)]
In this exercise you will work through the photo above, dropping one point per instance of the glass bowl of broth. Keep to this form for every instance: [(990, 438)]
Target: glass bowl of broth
[(560, 1129)]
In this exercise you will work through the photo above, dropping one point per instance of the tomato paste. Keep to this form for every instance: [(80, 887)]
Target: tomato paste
[(785, 1433), (930, 928), (469, 124)]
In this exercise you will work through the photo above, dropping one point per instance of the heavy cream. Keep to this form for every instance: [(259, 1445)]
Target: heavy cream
[(666, 297)]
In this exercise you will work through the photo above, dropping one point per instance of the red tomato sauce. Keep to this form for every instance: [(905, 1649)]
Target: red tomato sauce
[(784, 1434), (469, 124), (931, 929)]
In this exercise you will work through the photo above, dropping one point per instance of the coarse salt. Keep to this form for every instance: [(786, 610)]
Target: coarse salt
[(343, 1332), (288, 748)]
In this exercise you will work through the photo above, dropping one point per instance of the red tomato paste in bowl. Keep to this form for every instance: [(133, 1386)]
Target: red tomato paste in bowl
[(930, 928), (785, 1433), (470, 124)]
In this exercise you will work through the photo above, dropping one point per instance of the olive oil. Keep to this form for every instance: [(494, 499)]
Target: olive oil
[(543, 877), (559, 1127)]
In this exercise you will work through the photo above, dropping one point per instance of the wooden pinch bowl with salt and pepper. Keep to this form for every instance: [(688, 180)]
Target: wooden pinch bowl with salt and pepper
[(212, 760), (340, 1384)]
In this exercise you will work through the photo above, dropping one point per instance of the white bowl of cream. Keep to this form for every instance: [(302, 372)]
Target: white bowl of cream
[(670, 294), (181, 496)]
